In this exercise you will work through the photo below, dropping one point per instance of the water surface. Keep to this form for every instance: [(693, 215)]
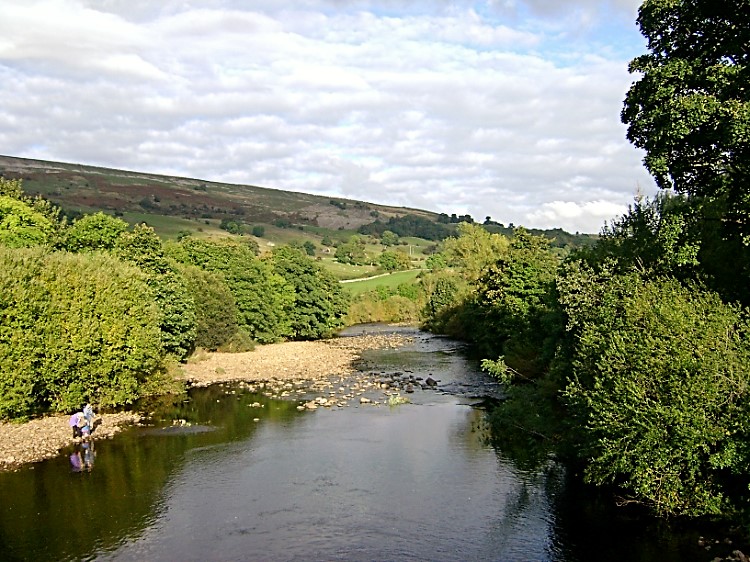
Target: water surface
[(247, 477)]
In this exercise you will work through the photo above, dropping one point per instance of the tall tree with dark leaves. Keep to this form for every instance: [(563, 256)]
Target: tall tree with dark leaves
[(690, 108)]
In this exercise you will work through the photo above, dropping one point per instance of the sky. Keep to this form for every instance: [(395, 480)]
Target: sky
[(508, 109)]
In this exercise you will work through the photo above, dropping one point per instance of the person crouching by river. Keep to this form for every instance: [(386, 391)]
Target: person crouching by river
[(77, 422)]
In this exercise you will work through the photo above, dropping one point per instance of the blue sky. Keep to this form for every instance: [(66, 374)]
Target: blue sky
[(501, 108)]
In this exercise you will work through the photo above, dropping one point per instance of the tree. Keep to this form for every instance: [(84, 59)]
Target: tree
[(389, 238), (352, 252), (473, 250), (514, 306), (143, 248), (394, 261), (309, 247), (94, 232), (22, 226), (264, 298), (320, 304), (215, 309), (690, 109), (660, 236)]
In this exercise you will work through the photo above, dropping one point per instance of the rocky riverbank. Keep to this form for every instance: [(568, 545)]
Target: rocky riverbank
[(36, 440), (286, 362)]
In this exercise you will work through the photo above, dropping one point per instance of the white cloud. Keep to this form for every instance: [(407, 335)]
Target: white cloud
[(483, 107)]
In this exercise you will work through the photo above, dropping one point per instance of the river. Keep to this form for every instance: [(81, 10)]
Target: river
[(224, 474)]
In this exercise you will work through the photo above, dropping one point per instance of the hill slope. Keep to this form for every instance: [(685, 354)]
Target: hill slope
[(89, 189), (78, 188)]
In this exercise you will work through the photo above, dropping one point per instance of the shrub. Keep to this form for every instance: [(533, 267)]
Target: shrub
[(660, 389), (73, 328), (215, 309)]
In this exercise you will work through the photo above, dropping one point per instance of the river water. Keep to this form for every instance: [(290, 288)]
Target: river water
[(248, 477)]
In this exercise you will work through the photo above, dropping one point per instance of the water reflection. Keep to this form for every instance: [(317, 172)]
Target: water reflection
[(82, 457)]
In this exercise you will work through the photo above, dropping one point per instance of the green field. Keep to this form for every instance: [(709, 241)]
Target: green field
[(390, 280)]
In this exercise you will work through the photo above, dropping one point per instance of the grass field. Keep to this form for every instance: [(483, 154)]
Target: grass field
[(391, 281)]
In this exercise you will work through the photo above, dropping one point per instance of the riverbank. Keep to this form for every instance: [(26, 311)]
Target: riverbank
[(40, 439)]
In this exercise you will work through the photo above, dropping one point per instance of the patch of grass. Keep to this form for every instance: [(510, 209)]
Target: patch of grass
[(391, 280), (169, 226), (397, 400)]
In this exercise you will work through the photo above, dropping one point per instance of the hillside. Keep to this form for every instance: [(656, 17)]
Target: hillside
[(174, 204), (86, 189)]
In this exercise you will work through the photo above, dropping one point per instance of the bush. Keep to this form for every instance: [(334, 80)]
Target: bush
[(215, 309), (73, 328), (660, 389)]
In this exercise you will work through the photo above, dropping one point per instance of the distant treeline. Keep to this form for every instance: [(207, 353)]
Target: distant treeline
[(420, 227)]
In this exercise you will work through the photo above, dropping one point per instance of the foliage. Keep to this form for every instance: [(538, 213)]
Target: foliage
[(320, 304), (143, 248), (73, 328), (408, 225), (352, 252), (94, 232), (374, 306), (309, 247), (389, 238), (659, 388), (436, 262), (232, 226), (39, 206), (515, 309), (239, 342), (473, 250), (394, 261), (215, 309), (445, 299), (21, 226), (690, 109), (658, 236), (264, 298)]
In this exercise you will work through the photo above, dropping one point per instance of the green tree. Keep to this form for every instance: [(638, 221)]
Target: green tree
[(94, 232), (436, 262), (309, 248), (389, 238), (22, 226), (264, 298), (143, 248), (394, 261), (215, 308), (320, 304), (660, 236), (352, 252), (473, 250), (55, 220), (690, 108), (514, 310)]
